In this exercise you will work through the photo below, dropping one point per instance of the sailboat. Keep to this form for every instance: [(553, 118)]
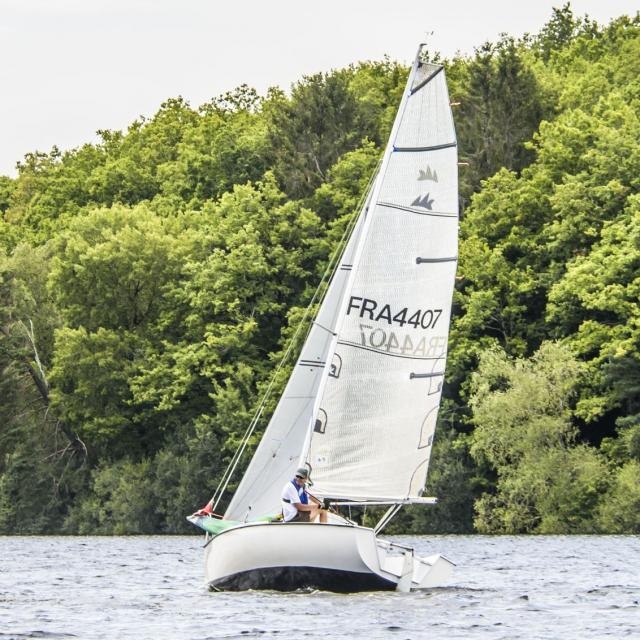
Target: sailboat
[(359, 410)]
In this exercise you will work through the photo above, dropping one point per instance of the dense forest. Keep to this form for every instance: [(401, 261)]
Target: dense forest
[(150, 283)]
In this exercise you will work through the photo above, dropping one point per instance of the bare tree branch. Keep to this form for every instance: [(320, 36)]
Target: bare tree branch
[(40, 381)]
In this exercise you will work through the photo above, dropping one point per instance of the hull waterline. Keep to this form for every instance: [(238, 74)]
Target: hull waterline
[(340, 558), (300, 578)]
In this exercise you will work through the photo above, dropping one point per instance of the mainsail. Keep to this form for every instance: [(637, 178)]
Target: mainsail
[(376, 420), (361, 406)]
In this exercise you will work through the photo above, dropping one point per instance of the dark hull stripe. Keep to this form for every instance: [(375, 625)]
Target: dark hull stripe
[(293, 578)]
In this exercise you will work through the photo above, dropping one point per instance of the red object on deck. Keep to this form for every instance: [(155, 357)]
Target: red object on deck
[(205, 511)]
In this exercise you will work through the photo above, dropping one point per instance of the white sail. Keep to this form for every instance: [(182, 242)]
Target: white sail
[(279, 450), (375, 420)]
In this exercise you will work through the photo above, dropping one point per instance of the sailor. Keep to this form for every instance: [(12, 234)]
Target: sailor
[(296, 500)]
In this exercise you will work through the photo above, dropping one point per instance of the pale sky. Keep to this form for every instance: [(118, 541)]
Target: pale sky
[(70, 67)]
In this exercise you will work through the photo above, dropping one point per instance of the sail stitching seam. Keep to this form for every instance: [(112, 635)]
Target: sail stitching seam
[(348, 343), (437, 214)]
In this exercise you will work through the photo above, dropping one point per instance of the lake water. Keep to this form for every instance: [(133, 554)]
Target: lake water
[(152, 587)]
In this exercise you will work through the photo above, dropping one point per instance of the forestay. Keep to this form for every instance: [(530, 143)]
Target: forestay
[(377, 407)]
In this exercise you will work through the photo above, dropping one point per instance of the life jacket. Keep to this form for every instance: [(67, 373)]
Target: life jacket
[(302, 494)]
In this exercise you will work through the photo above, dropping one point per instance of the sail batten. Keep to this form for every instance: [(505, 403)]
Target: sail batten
[(436, 147), (432, 70)]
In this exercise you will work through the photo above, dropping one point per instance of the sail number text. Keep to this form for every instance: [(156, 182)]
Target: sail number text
[(388, 341), (371, 310)]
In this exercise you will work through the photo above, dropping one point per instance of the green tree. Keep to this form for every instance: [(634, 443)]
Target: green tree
[(596, 306), (378, 89), (522, 411), (7, 187), (130, 173), (501, 107), (108, 281), (111, 267), (620, 508), (227, 146), (42, 459), (561, 30), (255, 255), (310, 131)]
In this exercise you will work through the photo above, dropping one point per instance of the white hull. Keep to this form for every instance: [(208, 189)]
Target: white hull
[(333, 557)]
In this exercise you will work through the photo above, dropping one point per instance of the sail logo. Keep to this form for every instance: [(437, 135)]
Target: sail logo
[(426, 202), (428, 174)]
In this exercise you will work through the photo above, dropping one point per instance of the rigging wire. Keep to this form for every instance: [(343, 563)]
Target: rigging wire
[(317, 298)]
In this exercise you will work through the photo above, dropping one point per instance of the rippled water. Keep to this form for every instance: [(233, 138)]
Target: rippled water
[(152, 587)]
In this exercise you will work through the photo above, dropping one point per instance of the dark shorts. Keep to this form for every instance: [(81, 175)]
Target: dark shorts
[(301, 516)]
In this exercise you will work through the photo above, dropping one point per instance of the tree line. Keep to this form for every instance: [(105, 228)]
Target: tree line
[(150, 282)]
